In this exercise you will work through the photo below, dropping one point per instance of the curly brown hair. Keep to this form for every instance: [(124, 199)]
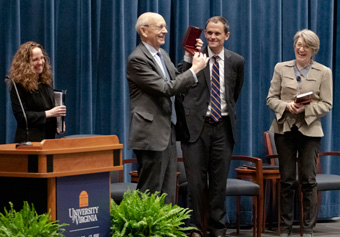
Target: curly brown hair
[(22, 72)]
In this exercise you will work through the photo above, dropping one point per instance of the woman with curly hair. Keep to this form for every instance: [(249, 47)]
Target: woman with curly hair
[(32, 75)]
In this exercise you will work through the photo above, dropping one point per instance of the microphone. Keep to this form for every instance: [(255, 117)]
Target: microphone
[(298, 78), (25, 143)]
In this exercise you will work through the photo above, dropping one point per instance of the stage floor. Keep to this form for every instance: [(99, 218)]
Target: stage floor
[(330, 228)]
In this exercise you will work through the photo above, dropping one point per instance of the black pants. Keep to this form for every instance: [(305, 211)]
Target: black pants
[(289, 146), (157, 170), (207, 164)]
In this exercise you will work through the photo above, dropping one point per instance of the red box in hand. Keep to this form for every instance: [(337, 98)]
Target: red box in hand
[(189, 41)]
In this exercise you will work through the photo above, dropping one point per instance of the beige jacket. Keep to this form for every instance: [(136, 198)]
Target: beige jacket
[(284, 87)]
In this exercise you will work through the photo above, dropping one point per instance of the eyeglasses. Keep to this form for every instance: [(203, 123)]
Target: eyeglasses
[(158, 27), (299, 46)]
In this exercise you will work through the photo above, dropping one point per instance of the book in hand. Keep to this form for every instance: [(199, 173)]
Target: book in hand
[(304, 98), (59, 99), (190, 37)]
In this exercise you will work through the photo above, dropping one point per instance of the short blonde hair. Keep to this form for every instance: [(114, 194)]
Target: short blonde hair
[(310, 38)]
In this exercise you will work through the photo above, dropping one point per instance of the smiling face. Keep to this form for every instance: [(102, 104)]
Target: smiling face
[(154, 31), (303, 53), (215, 35), (37, 60)]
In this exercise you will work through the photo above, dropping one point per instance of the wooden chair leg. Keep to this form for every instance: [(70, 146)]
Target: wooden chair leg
[(259, 213), (264, 206), (238, 204), (274, 204), (279, 208), (255, 216)]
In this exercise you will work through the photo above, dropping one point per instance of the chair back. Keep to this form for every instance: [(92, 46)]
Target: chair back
[(180, 164), (270, 147), (270, 143)]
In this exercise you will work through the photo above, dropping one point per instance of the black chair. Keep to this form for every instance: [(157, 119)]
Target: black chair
[(118, 186), (327, 182)]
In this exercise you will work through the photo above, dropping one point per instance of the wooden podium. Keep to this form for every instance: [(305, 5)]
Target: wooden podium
[(51, 160)]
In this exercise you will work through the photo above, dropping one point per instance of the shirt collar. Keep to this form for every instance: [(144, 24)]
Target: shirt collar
[(151, 49), (211, 54)]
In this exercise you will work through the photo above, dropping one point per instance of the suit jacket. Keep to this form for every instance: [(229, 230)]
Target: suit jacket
[(35, 104), (197, 98), (284, 87), (150, 104)]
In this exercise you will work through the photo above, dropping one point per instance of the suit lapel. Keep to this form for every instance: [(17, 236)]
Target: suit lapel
[(168, 63), (151, 58), (206, 70), (227, 71)]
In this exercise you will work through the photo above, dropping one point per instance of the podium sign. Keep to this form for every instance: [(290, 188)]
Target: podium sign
[(83, 203), (70, 178)]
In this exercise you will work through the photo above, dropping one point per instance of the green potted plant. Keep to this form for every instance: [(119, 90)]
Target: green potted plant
[(27, 223), (145, 214)]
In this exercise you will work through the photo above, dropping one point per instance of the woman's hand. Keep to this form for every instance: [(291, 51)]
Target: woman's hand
[(56, 111), (295, 108), (61, 132)]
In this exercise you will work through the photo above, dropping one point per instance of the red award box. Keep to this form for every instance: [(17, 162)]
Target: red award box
[(189, 41)]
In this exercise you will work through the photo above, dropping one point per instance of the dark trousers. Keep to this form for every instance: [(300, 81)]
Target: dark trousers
[(157, 170), (289, 146), (207, 164)]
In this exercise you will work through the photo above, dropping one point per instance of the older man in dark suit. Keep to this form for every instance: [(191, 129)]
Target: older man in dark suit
[(210, 108), (153, 83)]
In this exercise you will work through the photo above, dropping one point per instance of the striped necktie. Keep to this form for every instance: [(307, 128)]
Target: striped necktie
[(215, 99)]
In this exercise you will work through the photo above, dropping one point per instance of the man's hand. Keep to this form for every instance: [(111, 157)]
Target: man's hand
[(199, 45), (199, 62)]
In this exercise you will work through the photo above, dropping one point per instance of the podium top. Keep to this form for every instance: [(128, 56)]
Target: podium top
[(65, 145), (62, 157)]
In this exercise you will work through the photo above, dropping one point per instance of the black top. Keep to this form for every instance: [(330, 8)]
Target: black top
[(35, 104)]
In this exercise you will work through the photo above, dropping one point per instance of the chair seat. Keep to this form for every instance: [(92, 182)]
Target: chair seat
[(118, 190), (328, 182), (235, 187), (183, 188), (239, 187)]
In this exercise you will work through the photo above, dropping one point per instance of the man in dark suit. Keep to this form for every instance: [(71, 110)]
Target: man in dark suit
[(153, 83), (210, 116)]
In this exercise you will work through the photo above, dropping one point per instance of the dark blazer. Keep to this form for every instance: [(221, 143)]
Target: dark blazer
[(150, 104), (196, 100), (35, 104)]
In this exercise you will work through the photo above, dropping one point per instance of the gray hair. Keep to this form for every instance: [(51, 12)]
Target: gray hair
[(310, 38)]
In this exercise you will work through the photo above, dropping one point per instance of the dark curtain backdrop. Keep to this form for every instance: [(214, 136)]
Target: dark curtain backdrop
[(89, 41)]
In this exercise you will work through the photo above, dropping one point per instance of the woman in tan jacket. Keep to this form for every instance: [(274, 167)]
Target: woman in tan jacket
[(297, 125)]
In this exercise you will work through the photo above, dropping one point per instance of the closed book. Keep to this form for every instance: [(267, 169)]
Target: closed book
[(304, 98), (59, 99)]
